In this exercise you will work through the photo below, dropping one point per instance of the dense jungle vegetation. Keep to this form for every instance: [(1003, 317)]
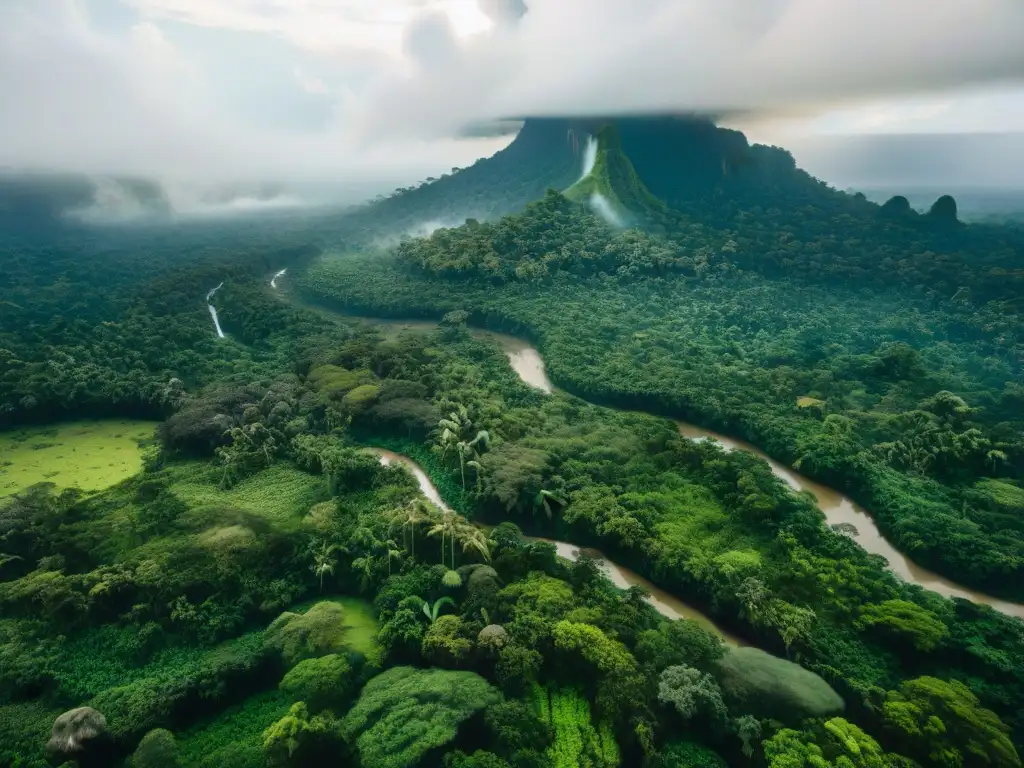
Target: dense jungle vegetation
[(265, 592), (894, 374)]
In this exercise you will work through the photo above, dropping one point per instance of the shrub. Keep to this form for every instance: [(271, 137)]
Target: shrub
[(404, 713), (757, 683)]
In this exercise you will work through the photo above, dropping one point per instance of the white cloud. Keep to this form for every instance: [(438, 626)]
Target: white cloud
[(392, 80), (322, 27), (601, 56), (309, 83)]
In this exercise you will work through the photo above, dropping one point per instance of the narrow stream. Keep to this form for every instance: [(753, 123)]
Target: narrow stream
[(667, 605), (213, 310), (837, 508)]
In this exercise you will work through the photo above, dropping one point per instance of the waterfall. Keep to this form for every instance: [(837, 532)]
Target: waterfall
[(589, 157), (213, 310), (273, 281), (604, 209)]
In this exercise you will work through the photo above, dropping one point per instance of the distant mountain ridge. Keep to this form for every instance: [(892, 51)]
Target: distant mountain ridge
[(644, 165)]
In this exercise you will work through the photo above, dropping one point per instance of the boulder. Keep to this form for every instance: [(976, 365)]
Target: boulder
[(76, 735)]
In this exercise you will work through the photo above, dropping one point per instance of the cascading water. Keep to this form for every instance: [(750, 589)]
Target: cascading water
[(589, 157), (273, 280), (604, 209), (213, 310)]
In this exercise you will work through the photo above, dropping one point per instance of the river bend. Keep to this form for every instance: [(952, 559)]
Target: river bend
[(836, 507)]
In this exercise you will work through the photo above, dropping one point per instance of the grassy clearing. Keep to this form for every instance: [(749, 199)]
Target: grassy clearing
[(92, 455), (359, 621), (281, 494)]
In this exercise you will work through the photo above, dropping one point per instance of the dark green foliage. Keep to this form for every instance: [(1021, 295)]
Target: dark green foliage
[(943, 210), (878, 353), (158, 749), (404, 713), (678, 642), (896, 207), (760, 684), (685, 754), (521, 735), (478, 759)]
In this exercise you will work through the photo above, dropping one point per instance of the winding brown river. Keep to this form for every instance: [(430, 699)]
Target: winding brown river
[(837, 508), (623, 578)]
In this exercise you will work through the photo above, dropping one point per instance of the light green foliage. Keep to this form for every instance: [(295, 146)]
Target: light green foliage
[(280, 494), (944, 721), (837, 743), (1003, 493), (321, 682), (404, 712), (444, 645), (577, 743), (361, 398), (540, 594), (920, 627), (763, 685), (693, 693), (288, 741), (360, 626), (619, 680), (317, 632), (90, 455), (335, 382), (158, 749)]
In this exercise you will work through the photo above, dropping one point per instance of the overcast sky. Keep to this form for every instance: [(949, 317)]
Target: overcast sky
[(367, 94)]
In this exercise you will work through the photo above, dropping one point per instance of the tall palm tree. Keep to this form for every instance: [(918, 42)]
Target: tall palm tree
[(417, 511), (472, 538), (446, 527), (455, 431), (323, 561)]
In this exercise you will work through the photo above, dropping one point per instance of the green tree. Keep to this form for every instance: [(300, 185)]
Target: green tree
[(321, 682), (404, 713), (158, 749), (836, 743), (317, 632), (444, 644), (943, 722), (454, 438), (323, 560), (296, 738), (906, 620), (692, 693)]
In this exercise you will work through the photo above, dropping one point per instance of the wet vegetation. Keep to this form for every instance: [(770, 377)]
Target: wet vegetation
[(263, 591)]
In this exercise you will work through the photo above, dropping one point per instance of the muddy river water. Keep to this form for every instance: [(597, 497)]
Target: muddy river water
[(837, 508), (623, 578)]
